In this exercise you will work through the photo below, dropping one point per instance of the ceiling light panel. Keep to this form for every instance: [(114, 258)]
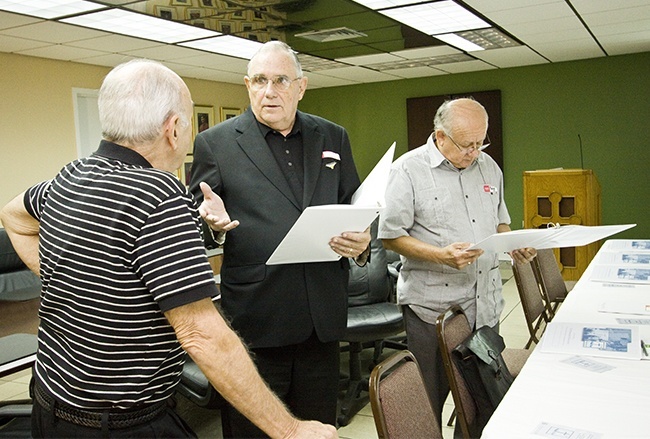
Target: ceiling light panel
[(48, 8), (490, 38), (459, 42), (381, 4), (436, 18), (227, 45), (312, 63), (140, 25)]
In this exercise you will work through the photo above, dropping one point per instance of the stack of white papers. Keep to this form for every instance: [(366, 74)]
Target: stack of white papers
[(628, 261), (308, 239), (552, 237), (596, 340)]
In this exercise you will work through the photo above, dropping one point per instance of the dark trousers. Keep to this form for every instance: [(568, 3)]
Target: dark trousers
[(422, 341), (167, 426), (304, 376)]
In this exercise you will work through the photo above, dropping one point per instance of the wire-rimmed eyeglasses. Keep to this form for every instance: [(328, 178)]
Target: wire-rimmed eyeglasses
[(470, 149), (280, 82)]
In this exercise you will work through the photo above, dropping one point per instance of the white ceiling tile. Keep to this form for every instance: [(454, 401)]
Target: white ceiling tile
[(108, 60), (114, 43), (567, 51), (626, 43), (533, 13), (464, 67), (489, 6), (369, 59), (358, 74), (163, 52), (556, 36), (625, 16), (589, 6), (53, 32), (427, 52), (61, 52), (219, 62), (15, 44), (417, 72), (510, 57), (521, 30), (9, 20), (317, 80)]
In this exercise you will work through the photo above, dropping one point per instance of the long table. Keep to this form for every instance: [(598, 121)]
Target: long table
[(551, 398)]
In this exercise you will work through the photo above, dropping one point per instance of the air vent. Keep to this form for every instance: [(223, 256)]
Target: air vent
[(326, 35)]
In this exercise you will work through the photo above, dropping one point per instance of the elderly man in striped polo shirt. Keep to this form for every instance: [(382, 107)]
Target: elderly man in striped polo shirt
[(127, 286)]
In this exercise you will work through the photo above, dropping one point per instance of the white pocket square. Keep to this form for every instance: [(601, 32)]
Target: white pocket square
[(331, 155)]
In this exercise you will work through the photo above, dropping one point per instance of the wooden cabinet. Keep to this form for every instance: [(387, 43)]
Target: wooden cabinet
[(564, 196)]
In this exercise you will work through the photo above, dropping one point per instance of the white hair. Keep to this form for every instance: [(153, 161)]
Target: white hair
[(135, 100), (444, 118), (281, 47)]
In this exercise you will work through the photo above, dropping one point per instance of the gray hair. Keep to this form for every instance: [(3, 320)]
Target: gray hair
[(281, 47), (445, 115), (135, 100)]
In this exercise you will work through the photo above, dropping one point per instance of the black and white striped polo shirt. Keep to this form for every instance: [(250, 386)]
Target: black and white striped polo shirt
[(119, 244)]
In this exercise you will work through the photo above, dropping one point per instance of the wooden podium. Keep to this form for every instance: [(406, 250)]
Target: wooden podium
[(564, 196)]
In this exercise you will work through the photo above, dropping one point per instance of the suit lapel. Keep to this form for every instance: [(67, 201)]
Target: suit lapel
[(250, 140), (313, 143)]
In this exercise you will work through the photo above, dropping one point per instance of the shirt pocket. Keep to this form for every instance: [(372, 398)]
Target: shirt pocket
[(433, 206)]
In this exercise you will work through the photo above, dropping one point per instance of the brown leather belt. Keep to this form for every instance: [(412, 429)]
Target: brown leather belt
[(93, 419)]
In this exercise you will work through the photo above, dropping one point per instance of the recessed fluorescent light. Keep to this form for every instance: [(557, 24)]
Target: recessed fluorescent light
[(461, 43), (140, 25), (436, 18), (226, 45), (380, 4), (490, 38), (326, 35), (48, 8)]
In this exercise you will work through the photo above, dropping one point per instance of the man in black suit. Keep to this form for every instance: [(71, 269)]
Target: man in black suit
[(267, 166)]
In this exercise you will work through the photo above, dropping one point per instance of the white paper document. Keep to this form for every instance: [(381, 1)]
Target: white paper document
[(308, 239), (636, 306), (553, 237), (621, 274), (595, 340)]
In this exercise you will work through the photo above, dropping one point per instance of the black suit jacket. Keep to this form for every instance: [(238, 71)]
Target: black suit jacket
[(276, 305)]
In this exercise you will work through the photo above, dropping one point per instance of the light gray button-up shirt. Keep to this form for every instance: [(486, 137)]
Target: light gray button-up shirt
[(433, 201)]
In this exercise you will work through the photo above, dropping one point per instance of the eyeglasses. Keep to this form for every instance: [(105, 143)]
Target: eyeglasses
[(280, 82), (470, 149)]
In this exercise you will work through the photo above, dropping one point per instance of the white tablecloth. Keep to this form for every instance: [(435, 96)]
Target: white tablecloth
[(611, 404)]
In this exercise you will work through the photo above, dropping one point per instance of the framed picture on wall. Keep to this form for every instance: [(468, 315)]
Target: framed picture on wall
[(185, 171), (229, 113), (203, 118)]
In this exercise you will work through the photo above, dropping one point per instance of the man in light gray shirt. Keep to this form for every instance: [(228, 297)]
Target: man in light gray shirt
[(441, 197)]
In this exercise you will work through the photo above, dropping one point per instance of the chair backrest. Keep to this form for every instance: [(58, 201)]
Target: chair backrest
[(370, 283), (452, 328), (550, 276), (399, 401), (536, 312)]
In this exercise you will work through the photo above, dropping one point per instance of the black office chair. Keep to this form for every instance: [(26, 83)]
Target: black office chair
[(17, 349), (373, 318)]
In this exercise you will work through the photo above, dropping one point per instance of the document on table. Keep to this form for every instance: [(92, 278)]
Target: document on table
[(629, 305), (308, 239), (624, 265), (596, 340), (622, 274), (552, 237)]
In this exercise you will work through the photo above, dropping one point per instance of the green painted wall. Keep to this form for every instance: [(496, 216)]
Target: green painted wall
[(544, 108)]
